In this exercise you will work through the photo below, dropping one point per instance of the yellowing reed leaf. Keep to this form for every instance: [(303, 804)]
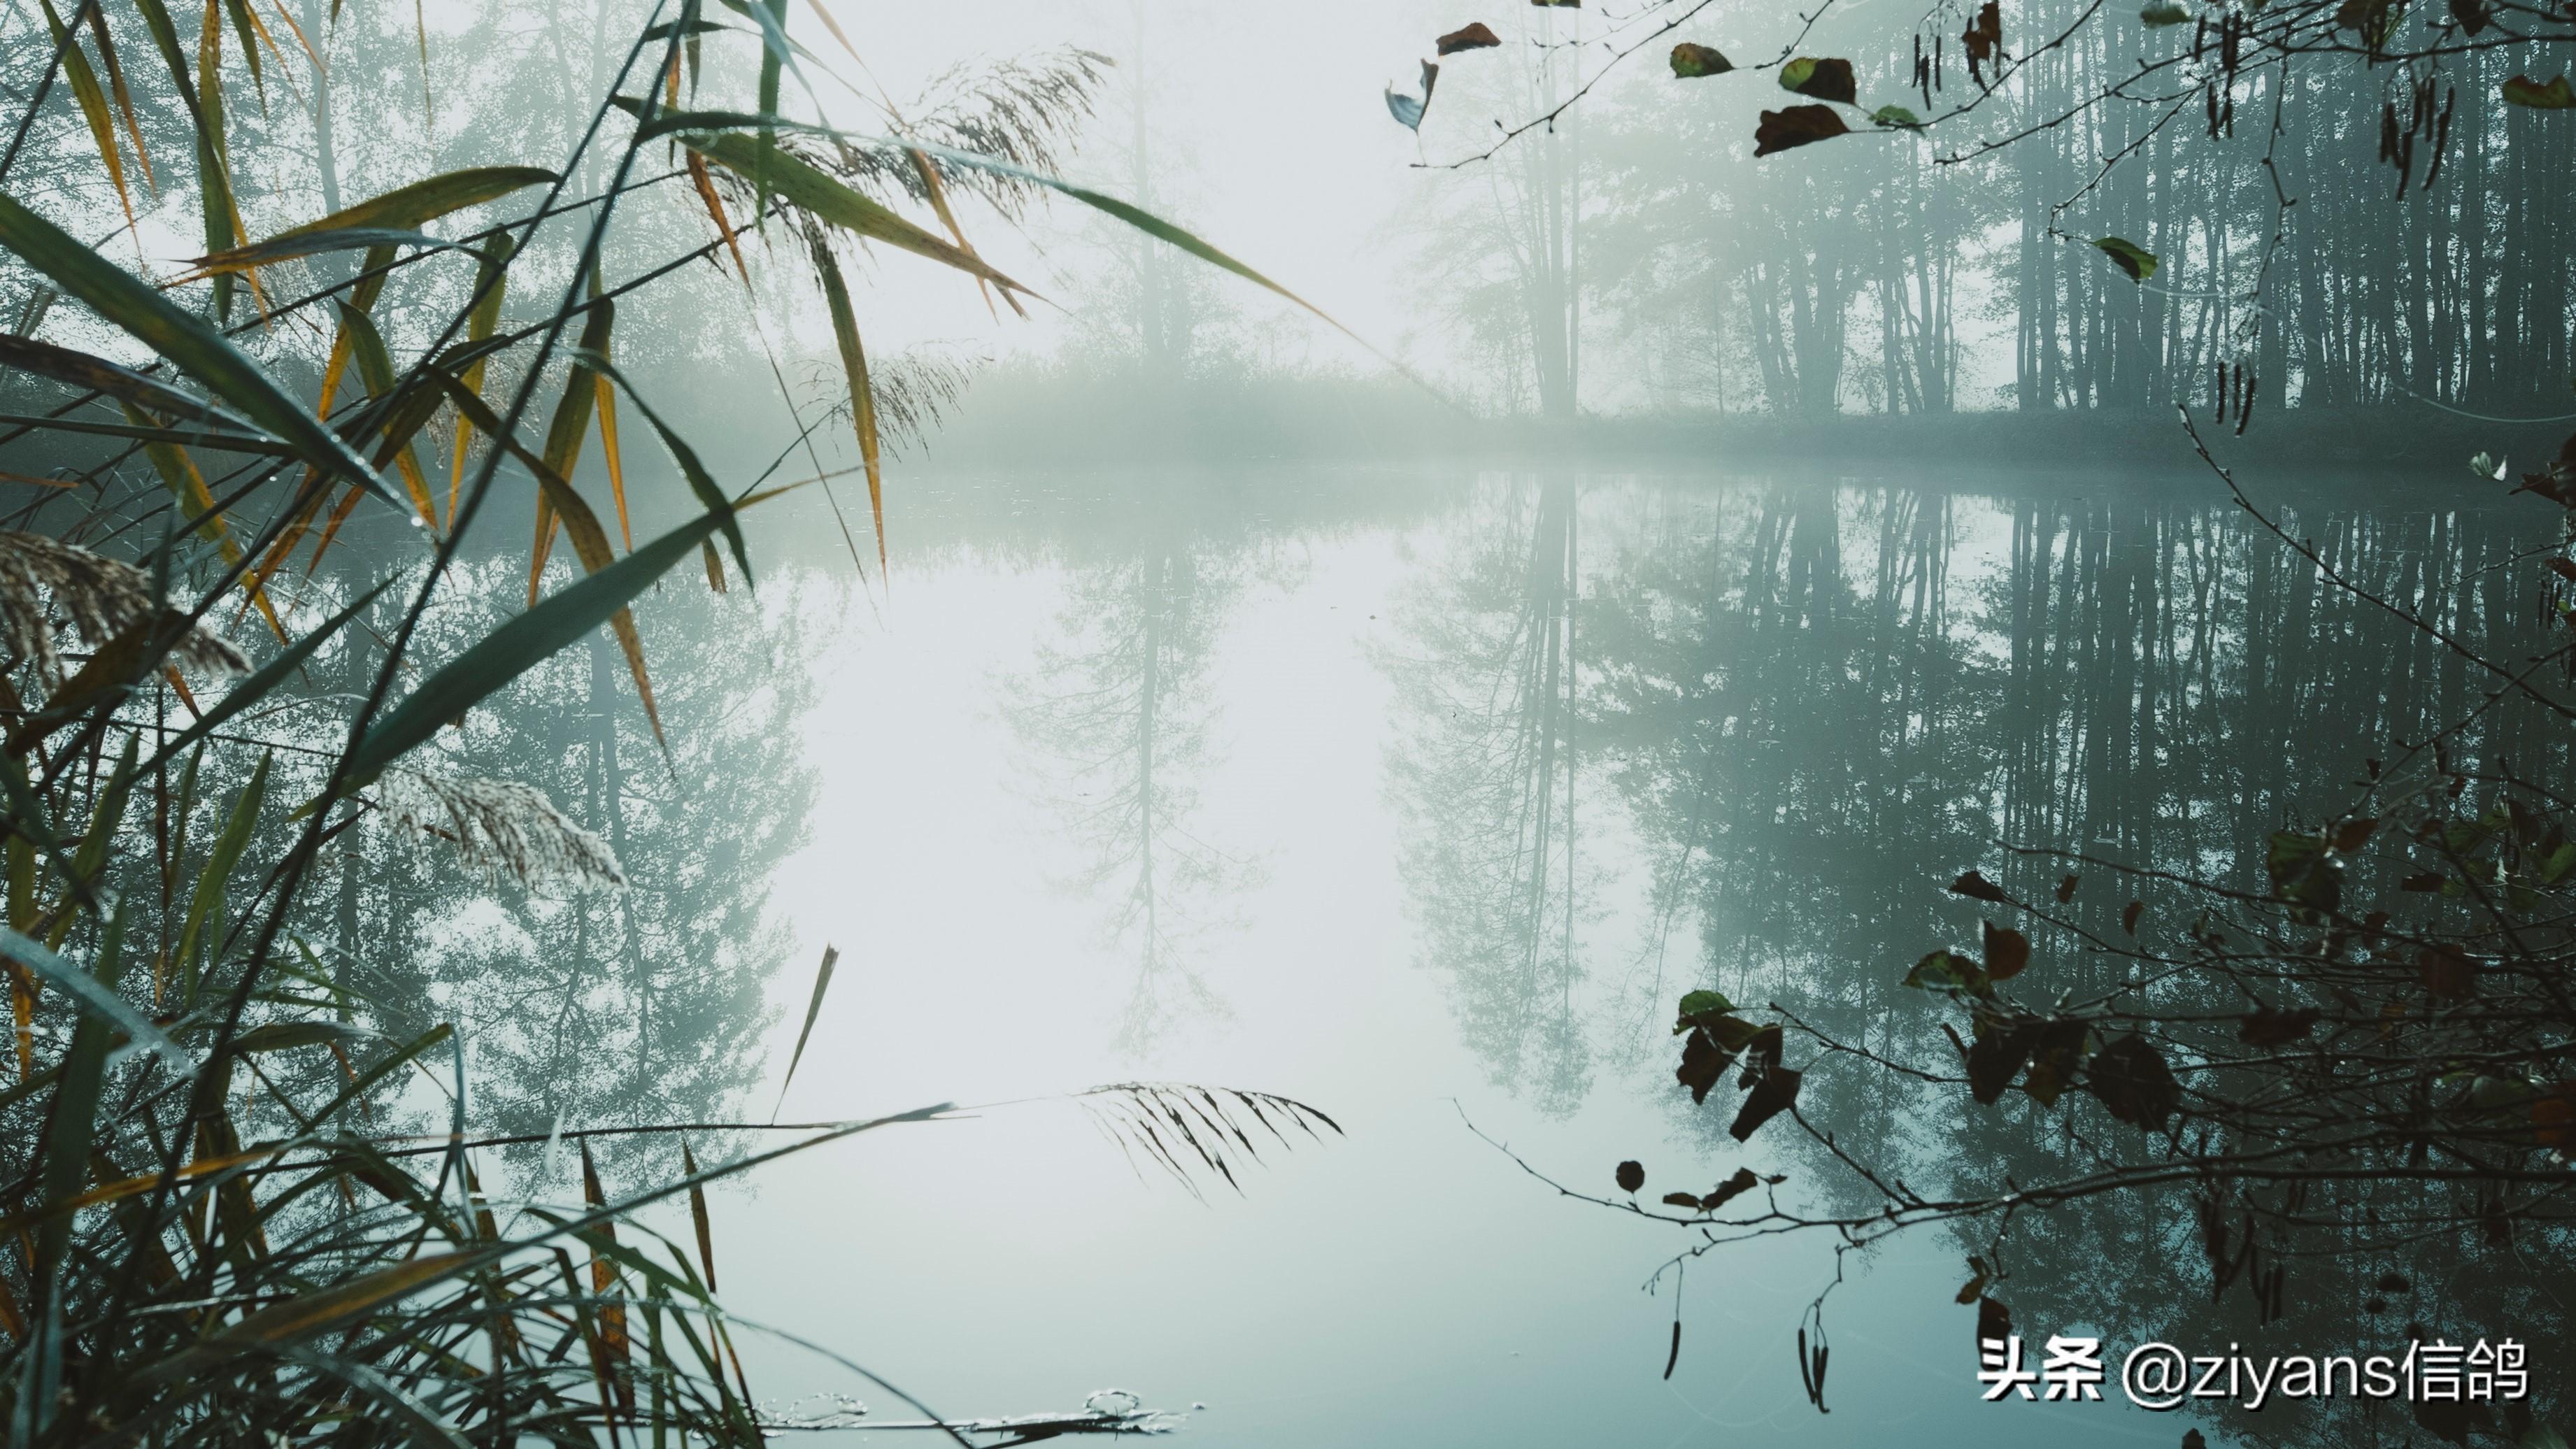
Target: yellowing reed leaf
[(608, 448), (93, 106), (828, 200), (426, 201), (197, 503), (698, 1205), (706, 185), (863, 400), (124, 97), (491, 282)]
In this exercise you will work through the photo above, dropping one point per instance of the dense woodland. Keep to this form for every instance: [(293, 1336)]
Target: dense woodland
[(2425, 253)]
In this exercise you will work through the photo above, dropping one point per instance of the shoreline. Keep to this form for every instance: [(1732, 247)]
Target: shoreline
[(2394, 440)]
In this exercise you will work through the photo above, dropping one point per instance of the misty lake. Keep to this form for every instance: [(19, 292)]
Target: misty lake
[(1419, 796)]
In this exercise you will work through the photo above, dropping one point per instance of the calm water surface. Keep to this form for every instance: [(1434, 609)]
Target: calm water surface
[(1419, 797)]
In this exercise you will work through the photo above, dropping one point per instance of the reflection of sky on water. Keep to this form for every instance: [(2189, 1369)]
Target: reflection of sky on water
[(1406, 1286)]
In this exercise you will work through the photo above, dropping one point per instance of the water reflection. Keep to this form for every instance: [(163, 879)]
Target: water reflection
[(1637, 736), (1118, 718), (607, 1009), (1484, 773), (1814, 705), (1790, 707)]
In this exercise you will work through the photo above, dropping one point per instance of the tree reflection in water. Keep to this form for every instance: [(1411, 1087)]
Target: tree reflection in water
[(608, 1008), (1484, 768), (1813, 705), (1118, 719)]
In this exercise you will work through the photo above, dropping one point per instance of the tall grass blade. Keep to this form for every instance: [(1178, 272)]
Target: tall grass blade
[(520, 644), (698, 1216), (409, 207), (610, 455), (700, 178), (491, 284), (214, 158), (376, 372), (207, 903), (188, 343), (571, 425), (116, 86), (309, 244), (813, 1009), (178, 473), (82, 369), (701, 482), (94, 998), (863, 398), (93, 106), (827, 199)]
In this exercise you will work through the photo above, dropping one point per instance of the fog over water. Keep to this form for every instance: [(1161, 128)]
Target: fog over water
[(1624, 569), (1279, 708)]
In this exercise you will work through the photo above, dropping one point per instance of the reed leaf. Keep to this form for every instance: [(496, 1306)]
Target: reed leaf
[(701, 482), (570, 424), (410, 207), (94, 997), (189, 344), (93, 105), (813, 1009), (206, 903), (524, 641), (827, 199), (308, 244), (491, 285), (863, 398), (106, 38), (376, 372), (82, 369)]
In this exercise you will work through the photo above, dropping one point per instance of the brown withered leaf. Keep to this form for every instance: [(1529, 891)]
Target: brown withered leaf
[(1735, 1186), (1632, 1176), (1703, 1062), (2054, 1059), (1976, 887), (2066, 888), (1825, 79), (1475, 35), (1997, 1055), (2553, 1117), (1985, 34), (2129, 917), (2007, 952), (1797, 126), (2425, 881), (2134, 1083), (1770, 1097), (1763, 1052), (1975, 1287), (1681, 1200), (2353, 834)]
